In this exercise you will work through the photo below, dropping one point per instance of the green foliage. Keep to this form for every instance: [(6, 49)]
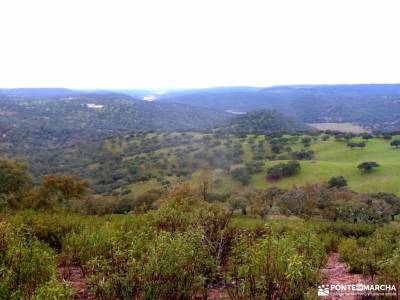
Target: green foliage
[(283, 169), (367, 166), (346, 229), (337, 181), (306, 141), (238, 202), (376, 255), (284, 264), (44, 123), (51, 228), (55, 191), (367, 136), (321, 201), (53, 290), (14, 181), (26, 264), (395, 143), (170, 253), (356, 145), (263, 122), (241, 174), (302, 154)]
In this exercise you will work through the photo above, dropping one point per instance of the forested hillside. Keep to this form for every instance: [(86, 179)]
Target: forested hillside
[(267, 243), (263, 122), (117, 196), (375, 105), (29, 124)]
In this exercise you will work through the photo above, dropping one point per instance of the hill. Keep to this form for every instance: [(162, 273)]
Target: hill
[(37, 93), (263, 122), (138, 162), (27, 125), (376, 106)]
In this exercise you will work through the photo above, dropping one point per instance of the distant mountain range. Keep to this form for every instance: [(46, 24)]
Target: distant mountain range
[(373, 106), (376, 106)]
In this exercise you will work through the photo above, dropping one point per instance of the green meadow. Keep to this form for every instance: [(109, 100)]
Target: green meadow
[(334, 158), (331, 158)]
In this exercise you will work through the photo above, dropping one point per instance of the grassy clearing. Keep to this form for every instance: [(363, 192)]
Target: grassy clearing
[(344, 127), (334, 158)]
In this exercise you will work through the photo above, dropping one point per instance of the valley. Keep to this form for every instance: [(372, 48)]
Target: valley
[(104, 196), (156, 159)]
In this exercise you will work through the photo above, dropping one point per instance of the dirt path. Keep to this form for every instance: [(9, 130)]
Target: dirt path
[(336, 272), (73, 275)]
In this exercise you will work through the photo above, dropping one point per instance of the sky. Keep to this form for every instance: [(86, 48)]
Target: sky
[(197, 43)]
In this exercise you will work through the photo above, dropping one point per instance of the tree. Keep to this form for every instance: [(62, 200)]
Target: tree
[(242, 175), (238, 202), (283, 169), (303, 154), (13, 176), (387, 136), (325, 137), (276, 148), (338, 181), (264, 200), (395, 143), (348, 136), (339, 136), (367, 166), (55, 190), (254, 166), (14, 181), (306, 141), (367, 136), (205, 179), (355, 144)]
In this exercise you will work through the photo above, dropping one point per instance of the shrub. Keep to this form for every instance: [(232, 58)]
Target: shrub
[(283, 169), (283, 265), (338, 181), (367, 166), (302, 154), (53, 290), (330, 241), (25, 263), (50, 228), (241, 174)]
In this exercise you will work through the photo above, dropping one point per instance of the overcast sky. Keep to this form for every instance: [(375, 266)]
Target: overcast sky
[(197, 43)]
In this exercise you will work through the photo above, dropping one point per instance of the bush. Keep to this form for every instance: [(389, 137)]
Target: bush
[(25, 263), (338, 181), (330, 241), (278, 264), (346, 229), (50, 228), (242, 175), (302, 154), (141, 263), (283, 169), (53, 290), (367, 166), (374, 255)]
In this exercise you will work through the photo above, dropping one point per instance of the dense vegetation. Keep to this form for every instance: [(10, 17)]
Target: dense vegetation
[(263, 122), (375, 106), (185, 245), (137, 162), (29, 125), (126, 199)]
